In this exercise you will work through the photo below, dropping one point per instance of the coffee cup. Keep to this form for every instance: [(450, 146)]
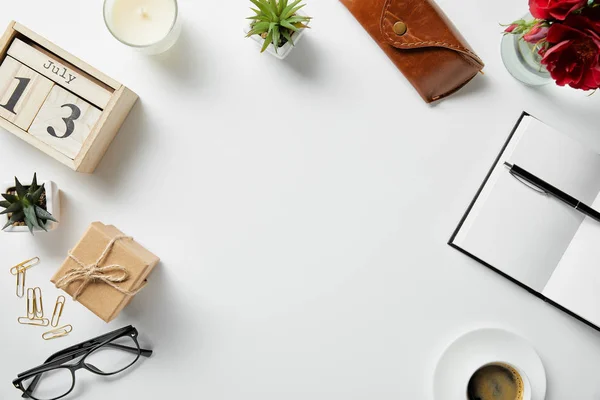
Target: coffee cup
[(498, 381)]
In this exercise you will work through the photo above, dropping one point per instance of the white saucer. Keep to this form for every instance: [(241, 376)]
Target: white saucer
[(476, 348)]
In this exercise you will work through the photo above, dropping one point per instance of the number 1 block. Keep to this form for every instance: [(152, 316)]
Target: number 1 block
[(22, 92), (64, 121)]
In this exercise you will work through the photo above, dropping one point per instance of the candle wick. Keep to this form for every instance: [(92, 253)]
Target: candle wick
[(143, 13)]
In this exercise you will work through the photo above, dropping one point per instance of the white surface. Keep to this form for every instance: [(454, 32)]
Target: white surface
[(480, 347), (301, 210)]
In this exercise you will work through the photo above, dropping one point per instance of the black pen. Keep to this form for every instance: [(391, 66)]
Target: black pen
[(544, 187)]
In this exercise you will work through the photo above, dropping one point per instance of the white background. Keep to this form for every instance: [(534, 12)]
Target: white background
[(301, 210)]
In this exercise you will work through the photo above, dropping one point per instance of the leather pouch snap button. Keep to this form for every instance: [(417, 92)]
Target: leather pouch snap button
[(400, 28)]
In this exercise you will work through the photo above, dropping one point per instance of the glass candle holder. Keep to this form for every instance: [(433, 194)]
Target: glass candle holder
[(149, 26)]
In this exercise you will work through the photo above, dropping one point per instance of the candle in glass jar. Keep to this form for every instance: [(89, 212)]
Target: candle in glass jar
[(149, 25)]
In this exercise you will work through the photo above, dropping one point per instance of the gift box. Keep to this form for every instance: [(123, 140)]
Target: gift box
[(105, 270)]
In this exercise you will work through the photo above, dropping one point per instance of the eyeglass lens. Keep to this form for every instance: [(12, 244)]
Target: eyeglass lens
[(114, 357), (52, 384)]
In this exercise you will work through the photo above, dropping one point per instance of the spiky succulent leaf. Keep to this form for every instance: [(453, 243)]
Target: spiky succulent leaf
[(30, 216), (259, 28), (267, 42), (287, 36), (35, 196), (25, 206), (276, 21), (34, 184), (43, 214), (21, 192), (16, 217), (29, 225), (263, 8), (276, 36), (9, 197), (289, 26), (12, 208)]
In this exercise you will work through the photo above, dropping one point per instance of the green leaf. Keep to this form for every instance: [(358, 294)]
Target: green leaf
[(259, 18), (286, 34), (29, 225), (288, 9), (30, 215), (292, 11), (5, 204), (263, 7), (291, 27), (34, 185), (267, 42), (282, 5), (13, 207), (276, 37), (43, 214), (10, 197), (42, 225), (261, 27), (274, 6), (16, 217), (35, 196), (298, 18), (21, 192)]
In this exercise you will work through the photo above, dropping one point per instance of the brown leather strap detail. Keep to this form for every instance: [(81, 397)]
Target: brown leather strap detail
[(427, 26)]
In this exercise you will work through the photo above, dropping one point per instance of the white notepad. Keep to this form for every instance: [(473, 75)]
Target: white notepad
[(547, 246)]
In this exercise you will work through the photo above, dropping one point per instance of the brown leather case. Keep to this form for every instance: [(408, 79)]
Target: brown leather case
[(431, 53)]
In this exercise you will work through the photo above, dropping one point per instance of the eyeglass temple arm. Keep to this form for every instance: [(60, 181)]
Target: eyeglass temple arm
[(143, 352)]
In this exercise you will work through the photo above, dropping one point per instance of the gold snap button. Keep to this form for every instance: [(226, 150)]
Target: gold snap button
[(400, 28)]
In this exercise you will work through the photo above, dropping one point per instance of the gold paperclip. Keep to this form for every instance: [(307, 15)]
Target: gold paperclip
[(30, 303), (58, 309), (25, 265), (21, 283), (58, 332), (38, 306), (35, 322)]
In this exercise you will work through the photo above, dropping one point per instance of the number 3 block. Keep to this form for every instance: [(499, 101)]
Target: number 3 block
[(64, 121), (22, 92)]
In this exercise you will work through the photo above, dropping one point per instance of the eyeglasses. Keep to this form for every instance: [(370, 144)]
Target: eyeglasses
[(106, 355)]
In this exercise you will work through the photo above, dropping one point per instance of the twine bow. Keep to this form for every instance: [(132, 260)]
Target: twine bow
[(109, 274)]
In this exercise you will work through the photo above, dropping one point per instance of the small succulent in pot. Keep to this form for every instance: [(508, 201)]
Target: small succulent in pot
[(277, 22), (26, 205)]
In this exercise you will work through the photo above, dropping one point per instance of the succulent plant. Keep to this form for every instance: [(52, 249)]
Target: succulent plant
[(26, 205), (276, 21)]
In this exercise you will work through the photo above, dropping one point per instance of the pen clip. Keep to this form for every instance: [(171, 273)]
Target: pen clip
[(523, 181)]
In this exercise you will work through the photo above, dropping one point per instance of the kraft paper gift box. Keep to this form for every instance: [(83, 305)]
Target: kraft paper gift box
[(105, 270)]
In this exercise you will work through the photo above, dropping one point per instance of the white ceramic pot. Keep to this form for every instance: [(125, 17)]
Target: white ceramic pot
[(52, 205), (283, 51)]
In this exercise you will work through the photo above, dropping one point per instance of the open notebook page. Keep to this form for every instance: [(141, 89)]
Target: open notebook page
[(517, 230), (575, 284)]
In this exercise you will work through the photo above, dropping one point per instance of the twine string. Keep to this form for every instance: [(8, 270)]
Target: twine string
[(108, 274)]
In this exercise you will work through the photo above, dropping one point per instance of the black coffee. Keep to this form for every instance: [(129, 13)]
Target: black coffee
[(495, 382)]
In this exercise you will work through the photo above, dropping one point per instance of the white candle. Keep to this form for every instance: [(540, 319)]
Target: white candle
[(149, 25)]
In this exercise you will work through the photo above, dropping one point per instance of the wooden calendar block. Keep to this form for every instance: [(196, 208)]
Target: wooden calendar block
[(70, 77), (22, 92), (65, 122), (78, 139)]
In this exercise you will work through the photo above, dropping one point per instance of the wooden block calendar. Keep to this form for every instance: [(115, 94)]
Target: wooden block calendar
[(56, 102)]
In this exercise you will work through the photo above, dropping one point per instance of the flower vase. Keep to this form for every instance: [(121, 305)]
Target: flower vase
[(523, 61)]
